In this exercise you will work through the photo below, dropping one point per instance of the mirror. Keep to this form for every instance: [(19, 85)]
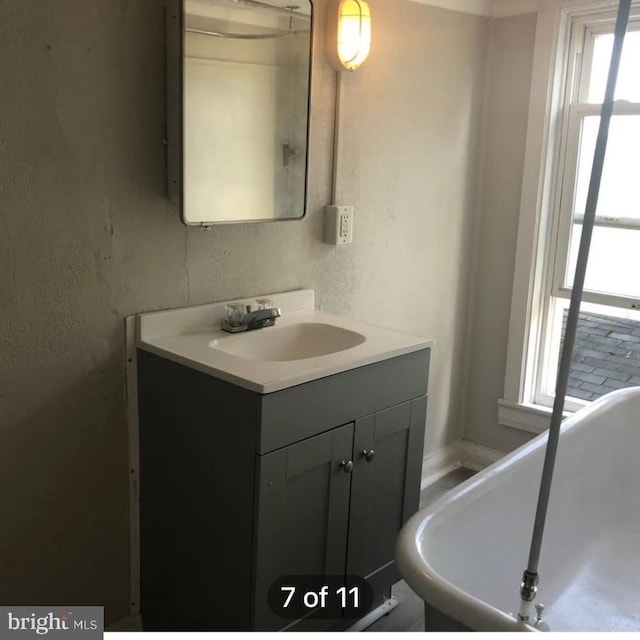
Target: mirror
[(238, 149)]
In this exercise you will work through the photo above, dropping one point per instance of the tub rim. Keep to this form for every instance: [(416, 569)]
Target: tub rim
[(432, 587)]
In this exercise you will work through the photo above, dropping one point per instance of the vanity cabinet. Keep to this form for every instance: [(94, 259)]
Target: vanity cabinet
[(342, 496), (239, 489), (303, 514)]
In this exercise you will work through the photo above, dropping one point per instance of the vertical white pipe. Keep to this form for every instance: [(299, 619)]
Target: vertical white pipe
[(337, 121)]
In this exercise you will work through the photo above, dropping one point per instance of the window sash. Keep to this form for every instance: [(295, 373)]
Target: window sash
[(584, 50), (565, 206)]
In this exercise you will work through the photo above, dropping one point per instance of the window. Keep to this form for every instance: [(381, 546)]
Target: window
[(607, 354)]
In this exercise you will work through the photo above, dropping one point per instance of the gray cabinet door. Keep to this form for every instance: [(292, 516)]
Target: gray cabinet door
[(303, 510), (386, 484)]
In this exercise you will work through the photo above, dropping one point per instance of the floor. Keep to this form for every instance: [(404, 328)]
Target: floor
[(606, 356), (409, 614)]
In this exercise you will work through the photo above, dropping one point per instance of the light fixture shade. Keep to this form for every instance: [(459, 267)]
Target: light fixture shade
[(351, 43)]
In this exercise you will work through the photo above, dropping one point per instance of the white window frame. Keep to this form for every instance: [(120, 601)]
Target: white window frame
[(584, 32), (535, 275)]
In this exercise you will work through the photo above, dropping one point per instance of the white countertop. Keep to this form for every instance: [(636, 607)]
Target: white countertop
[(184, 336)]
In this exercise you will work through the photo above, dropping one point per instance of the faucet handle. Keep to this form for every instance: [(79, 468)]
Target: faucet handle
[(263, 303), (234, 313)]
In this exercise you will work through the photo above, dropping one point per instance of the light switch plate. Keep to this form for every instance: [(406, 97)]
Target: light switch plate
[(338, 224)]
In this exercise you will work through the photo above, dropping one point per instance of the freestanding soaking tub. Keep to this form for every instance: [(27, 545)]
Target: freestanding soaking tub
[(465, 554)]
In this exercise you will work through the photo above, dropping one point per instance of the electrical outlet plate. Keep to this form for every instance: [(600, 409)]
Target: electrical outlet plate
[(338, 224)]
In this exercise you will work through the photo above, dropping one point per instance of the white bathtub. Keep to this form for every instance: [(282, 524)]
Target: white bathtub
[(465, 554)]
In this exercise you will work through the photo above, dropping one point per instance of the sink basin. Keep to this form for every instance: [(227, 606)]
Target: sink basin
[(294, 342), (304, 345)]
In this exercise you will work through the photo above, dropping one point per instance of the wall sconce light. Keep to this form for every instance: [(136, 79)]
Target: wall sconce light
[(349, 34)]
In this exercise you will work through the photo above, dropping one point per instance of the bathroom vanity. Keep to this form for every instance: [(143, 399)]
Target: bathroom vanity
[(261, 459)]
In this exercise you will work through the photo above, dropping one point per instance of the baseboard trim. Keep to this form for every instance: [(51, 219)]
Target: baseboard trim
[(461, 453)]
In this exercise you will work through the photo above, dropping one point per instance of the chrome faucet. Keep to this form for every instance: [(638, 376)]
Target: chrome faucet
[(241, 318)]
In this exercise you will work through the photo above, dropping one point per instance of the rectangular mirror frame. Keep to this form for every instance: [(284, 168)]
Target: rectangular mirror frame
[(174, 142)]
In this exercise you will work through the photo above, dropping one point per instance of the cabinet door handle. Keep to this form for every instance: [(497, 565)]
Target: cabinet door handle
[(368, 455), (347, 467)]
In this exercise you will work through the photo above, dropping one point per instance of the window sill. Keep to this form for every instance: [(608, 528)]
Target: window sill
[(533, 418)]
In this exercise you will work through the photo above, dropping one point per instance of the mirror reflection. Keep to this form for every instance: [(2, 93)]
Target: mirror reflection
[(246, 79)]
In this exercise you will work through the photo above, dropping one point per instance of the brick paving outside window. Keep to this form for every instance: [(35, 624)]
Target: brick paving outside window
[(606, 356)]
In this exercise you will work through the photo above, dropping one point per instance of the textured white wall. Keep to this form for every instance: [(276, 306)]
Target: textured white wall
[(87, 238), (411, 138), (508, 82)]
